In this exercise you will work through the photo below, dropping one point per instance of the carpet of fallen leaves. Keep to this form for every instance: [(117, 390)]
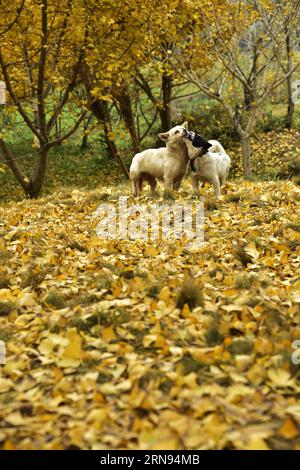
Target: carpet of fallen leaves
[(130, 345)]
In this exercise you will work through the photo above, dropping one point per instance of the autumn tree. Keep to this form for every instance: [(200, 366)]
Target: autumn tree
[(290, 22), (243, 46), (40, 65), (159, 79), (135, 38)]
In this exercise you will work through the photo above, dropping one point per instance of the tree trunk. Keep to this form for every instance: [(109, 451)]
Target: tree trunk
[(13, 165), (165, 112), (246, 153), (124, 100), (84, 142), (100, 110), (39, 172), (248, 98), (291, 105), (58, 129)]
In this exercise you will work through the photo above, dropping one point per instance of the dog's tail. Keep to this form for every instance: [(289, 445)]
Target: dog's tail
[(216, 147)]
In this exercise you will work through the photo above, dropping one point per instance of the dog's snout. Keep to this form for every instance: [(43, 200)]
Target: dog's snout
[(184, 132), (188, 135)]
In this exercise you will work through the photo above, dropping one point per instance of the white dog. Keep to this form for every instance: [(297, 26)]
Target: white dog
[(209, 162), (167, 164)]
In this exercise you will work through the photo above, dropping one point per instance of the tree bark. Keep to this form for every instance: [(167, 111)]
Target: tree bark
[(246, 153), (39, 172), (291, 105), (124, 100), (13, 165), (85, 138), (165, 112), (84, 142), (100, 110)]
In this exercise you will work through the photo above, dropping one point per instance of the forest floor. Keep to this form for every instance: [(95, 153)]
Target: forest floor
[(132, 344)]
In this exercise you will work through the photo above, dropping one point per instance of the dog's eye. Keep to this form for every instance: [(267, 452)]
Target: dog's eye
[(176, 132)]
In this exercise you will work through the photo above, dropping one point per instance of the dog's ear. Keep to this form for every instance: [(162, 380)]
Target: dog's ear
[(199, 141), (164, 136), (185, 125)]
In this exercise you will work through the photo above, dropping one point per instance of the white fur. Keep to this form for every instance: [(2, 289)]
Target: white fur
[(213, 167), (167, 164)]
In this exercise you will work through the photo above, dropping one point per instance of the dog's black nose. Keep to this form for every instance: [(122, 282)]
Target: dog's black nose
[(188, 135)]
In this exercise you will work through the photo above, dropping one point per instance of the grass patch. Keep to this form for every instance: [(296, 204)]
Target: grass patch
[(213, 337), (190, 294), (96, 196), (82, 299), (188, 364), (101, 318), (127, 274), (74, 245), (294, 166), (5, 308), (6, 334), (168, 196), (5, 256), (210, 204), (244, 282), (153, 291), (4, 282), (293, 245), (242, 256), (240, 346), (235, 197), (295, 227), (56, 300), (32, 278)]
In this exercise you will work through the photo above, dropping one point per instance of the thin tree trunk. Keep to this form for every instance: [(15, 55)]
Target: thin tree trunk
[(165, 112), (124, 101), (33, 186), (246, 153), (248, 98), (100, 110), (291, 105), (85, 138), (13, 165), (84, 142)]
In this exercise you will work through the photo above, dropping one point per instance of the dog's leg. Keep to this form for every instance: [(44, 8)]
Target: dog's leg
[(140, 184), (153, 186), (195, 183), (177, 184), (168, 180), (222, 180), (216, 183), (153, 183), (134, 186)]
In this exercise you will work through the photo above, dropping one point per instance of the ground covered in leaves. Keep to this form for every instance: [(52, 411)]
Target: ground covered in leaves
[(132, 345)]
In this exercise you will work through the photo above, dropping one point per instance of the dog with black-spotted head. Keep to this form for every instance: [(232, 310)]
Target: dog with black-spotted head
[(208, 160)]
